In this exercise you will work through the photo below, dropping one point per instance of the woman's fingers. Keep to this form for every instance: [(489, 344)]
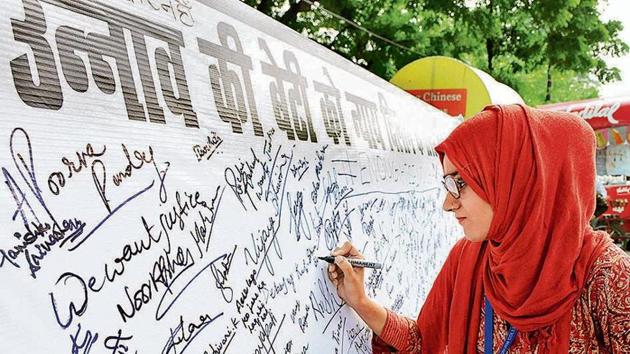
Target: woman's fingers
[(348, 281), (342, 249), (347, 249), (343, 264), (334, 272)]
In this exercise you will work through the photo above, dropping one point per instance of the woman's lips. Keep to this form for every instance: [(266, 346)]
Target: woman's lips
[(461, 220)]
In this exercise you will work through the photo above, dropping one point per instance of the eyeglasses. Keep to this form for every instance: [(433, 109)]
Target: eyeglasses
[(453, 185)]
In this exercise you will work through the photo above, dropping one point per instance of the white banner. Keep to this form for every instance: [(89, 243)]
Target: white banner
[(171, 169)]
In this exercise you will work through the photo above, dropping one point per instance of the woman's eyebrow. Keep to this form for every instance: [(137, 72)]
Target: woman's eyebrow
[(451, 174)]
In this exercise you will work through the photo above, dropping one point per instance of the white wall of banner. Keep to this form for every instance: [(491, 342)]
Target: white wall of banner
[(172, 168)]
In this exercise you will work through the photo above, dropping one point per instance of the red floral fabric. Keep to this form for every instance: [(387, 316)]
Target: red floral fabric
[(600, 319)]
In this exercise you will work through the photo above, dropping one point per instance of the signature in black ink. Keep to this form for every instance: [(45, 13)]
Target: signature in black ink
[(185, 334), (225, 342), (281, 178), (36, 217), (299, 169), (203, 231), (159, 311), (296, 316), (162, 177), (239, 179), (359, 339), (321, 155), (116, 343), (334, 195), (176, 213), (85, 345), (72, 306), (220, 274), (99, 177), (58, 179), (261, 244), (128, 253), (251, 283), (208, 149), (297, 217), (38, 241), (265, 342), (164, 272), (325, 301), (281, 287), (143, 158), (307, 263)]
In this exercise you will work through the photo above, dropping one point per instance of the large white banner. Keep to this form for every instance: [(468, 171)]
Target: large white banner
[(171, 169)]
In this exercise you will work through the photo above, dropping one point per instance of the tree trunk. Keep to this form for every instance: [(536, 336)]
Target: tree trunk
[(549, 83), (490, 51), (490, 41)]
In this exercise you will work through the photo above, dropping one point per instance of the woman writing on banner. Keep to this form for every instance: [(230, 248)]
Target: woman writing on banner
[(530, 275)]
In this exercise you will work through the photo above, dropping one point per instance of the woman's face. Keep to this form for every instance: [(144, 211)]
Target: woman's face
[(472, 212)]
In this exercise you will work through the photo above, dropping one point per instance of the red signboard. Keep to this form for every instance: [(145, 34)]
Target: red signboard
[(618, 201), (451, 101), (599, 113)]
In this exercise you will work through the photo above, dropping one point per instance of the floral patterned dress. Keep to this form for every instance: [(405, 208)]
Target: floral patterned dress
[(600, 318)]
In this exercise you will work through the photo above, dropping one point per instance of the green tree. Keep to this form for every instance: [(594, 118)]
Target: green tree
[(568, 86), (380, 35), (562, 36), (577, 41), (513, 40)]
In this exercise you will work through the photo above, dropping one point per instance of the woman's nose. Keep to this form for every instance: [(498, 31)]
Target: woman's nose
[(450, 203)]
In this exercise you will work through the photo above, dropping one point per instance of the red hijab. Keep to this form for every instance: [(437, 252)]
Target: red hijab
[(537, 171)]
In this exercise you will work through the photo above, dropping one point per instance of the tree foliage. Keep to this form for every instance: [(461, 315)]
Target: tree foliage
[(516, 41), (568, 86)]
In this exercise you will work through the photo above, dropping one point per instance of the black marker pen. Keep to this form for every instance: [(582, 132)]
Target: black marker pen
[(360, 263)]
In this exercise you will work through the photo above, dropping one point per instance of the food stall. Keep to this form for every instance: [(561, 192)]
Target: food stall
[(453, 86), (610, 118)]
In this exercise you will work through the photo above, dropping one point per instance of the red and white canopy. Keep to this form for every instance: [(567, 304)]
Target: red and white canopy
[(600, 113)]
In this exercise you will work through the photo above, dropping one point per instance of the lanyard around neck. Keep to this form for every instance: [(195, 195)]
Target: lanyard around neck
[(489, 331)]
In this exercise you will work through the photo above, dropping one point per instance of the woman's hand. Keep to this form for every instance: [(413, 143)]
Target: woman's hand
[(350, 286), (348, 280)]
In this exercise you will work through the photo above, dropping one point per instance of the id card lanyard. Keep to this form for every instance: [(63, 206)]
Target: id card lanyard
[(489, 331)]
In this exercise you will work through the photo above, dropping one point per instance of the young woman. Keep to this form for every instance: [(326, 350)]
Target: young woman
[(530, 275)]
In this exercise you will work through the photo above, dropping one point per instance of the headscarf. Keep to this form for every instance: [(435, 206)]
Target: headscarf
[(537, 171)]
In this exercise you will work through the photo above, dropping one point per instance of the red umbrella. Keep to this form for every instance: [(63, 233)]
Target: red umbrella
[(600, 113)]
